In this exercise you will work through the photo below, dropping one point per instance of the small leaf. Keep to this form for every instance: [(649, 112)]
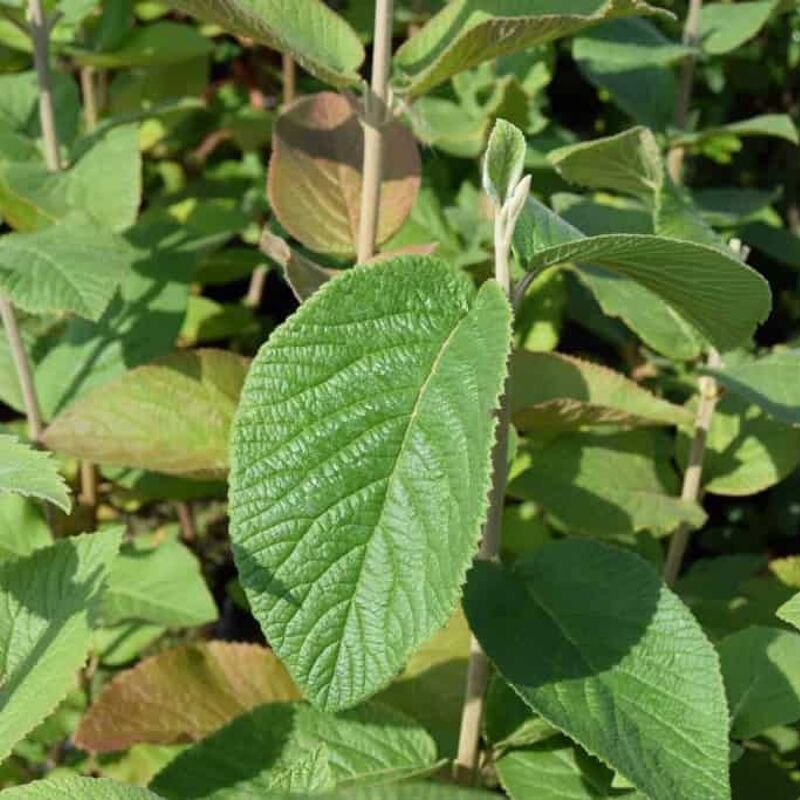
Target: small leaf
[(259, 752), (607, 484), (183, 695), (23, 528), (790, 611), (779, 126), (171, 416), (551, 391), (628, 673), (746, 451), (71, 787), (701, 283), (45, 600), (162, 584), (504, 161), (72, 266), (152, 45), (629, 162), (314, 182), (760, 669), (303, 275), (339, 465), (468, 32), (319, 40), (771, 382), (556, 770), (724, 27), (30, 472)]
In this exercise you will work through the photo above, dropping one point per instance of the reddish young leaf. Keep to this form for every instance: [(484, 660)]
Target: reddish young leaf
[(183, 694), (314, 180)]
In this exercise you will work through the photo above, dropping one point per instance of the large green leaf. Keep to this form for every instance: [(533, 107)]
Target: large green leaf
[(550, 391), (71, 787), (318, 38), (760, 667), (717, 293), (724, 27), (593, 641), (73, 266), (556, 770), (183, 694), (31, 473), (315, 179), (172, 415), (272, 747), (44, 626), (607, 484), (467, 32), (354, 510), (622, 56), (159, 583), (771, 382)]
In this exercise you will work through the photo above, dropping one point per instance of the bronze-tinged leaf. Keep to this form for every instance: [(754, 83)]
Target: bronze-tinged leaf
[(183, 694), (314, 182)]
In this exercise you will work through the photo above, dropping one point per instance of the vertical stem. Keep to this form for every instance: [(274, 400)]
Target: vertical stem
[(89, 94), (686, 83), (709, 394), (23, 368), (255, 290), (289, 79), (466, 761), (40, 35), (375, 114), (186, 521)]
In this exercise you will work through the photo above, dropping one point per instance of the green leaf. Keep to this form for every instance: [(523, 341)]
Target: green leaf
[(319, 40), (603, 484), (629, 162), (411, 791), (23, 528), (207, 320), (259, 752), (779, 126), (504, 161), (656, 323), (71, 787), (171, 416), (701, 283), (44, 626), (314, 182), (772, 382), (467, 32), (593, 641), (550, 391), (183, 695), (161, 584), (140, 325), (759, 665), (556, 770), (778, 243), (724, 27), (152, 45), (790, 611), (620, 57), (73, 266), (31, 473), (746, 451), (328, 486)]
